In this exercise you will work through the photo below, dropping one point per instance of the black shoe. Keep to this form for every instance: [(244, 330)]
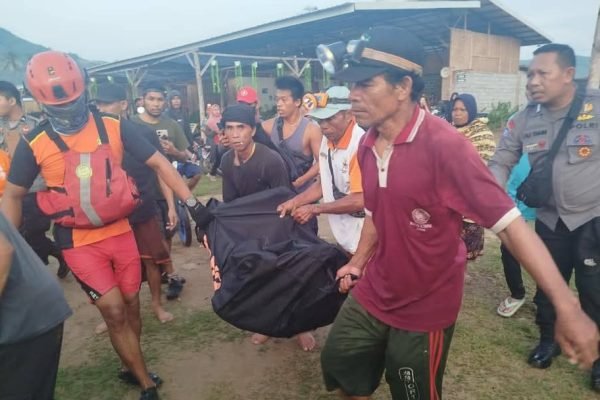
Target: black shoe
[(596, 376), (541, 357), (129, 378), (175, 287), (63, 268), (149, 394)]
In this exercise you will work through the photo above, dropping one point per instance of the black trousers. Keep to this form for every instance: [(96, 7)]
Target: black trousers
[(562, 245), (28, 369), (512, 273)]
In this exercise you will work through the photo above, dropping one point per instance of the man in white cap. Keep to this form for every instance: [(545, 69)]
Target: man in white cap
[(339, 182)]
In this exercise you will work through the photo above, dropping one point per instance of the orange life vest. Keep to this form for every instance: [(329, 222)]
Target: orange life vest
[(96, 190)]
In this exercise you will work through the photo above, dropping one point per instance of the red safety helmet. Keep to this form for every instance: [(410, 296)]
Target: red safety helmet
[(54, 78)]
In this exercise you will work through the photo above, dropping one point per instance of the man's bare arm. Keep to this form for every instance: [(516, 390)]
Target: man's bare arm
[(366, 247), (268, 126), (12, 203), (348, 204), (310, 195), (167, 193), (169, 175), (351, 203), (314, 136)]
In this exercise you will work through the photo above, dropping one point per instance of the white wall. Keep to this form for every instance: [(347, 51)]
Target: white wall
[(491, 88)]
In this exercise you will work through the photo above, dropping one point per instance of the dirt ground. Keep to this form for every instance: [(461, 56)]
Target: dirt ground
[(202, 358), (218, 369)]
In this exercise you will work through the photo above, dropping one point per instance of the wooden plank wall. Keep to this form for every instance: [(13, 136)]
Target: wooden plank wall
[(480, 52)]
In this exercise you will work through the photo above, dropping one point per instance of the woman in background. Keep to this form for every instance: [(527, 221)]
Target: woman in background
[(464, 118)]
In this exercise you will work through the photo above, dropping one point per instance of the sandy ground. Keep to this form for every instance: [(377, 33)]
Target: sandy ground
[(227, 370)]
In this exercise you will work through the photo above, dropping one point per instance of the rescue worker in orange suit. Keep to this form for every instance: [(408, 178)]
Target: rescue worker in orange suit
[(89, 196)]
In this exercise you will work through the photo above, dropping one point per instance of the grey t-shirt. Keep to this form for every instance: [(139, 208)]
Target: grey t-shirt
[(32, 302)]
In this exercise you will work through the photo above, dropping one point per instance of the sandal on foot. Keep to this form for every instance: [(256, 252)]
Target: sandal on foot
[(510, 306)]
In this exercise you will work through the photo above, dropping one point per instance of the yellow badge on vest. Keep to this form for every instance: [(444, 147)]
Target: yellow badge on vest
[(83, 171)]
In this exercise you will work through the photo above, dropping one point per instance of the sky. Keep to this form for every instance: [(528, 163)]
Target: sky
[(111, 30)]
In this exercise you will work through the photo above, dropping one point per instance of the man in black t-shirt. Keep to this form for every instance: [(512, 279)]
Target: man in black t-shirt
[(248, 167)]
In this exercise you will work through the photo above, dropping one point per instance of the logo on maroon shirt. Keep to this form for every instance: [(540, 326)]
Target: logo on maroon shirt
[(420, 219)]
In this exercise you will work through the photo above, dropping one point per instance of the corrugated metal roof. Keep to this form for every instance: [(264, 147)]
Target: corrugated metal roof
[(299, 35)]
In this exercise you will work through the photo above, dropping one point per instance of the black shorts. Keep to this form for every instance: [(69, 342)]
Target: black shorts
[(29, 368)]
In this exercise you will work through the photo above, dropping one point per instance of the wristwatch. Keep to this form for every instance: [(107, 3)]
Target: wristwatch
[(191, 202)]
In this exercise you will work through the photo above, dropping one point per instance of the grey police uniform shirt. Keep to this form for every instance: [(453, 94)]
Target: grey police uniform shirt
[(32, 302), (22, 127), (576, 187)]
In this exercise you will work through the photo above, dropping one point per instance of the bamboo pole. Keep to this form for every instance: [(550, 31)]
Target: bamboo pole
[(594, 77)]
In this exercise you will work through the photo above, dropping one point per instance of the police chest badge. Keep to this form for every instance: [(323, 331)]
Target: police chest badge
[(585, 114), (584, 117), (584, 151)]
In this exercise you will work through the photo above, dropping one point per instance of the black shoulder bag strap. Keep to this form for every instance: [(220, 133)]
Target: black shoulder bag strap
[(331, 170), (536, 190), (279, 128), (338, 194), (566, 125)]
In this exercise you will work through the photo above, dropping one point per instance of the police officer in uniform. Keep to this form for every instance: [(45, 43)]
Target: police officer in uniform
[(575, 198), (13, 123)]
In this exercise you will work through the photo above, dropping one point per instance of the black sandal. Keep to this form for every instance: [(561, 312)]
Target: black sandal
[(129, 378)]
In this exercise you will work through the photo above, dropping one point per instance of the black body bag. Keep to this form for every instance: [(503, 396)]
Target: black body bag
[(536, 189), (276, 277)]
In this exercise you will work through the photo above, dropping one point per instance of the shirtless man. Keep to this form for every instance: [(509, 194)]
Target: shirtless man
[(294, 134)]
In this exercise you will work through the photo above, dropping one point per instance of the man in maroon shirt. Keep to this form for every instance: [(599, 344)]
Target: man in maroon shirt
[(420, 177)]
